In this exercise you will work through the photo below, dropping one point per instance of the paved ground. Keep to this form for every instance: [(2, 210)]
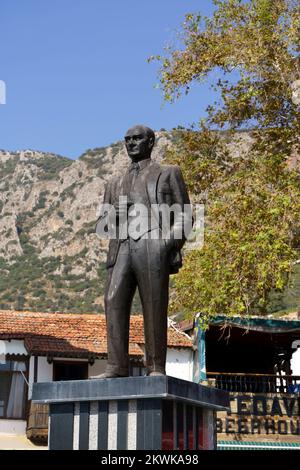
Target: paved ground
[(17, 442)]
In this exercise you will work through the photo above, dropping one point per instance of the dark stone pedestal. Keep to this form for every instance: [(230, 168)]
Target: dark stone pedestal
[(147, 413)]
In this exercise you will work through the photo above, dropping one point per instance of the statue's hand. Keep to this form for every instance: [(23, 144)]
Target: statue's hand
[(172, 243), (169, 242)]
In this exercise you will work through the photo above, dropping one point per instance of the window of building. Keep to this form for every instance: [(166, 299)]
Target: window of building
[(136, 369), (12, 389), (70, 370)]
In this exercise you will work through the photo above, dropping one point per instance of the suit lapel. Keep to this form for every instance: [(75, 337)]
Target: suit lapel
[(154, 171), (119, 188), (122, 188)]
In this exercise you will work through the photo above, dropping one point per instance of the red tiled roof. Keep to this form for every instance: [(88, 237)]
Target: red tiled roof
[(73, 335)]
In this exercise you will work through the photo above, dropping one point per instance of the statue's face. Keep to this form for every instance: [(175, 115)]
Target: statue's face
[(138, 143)]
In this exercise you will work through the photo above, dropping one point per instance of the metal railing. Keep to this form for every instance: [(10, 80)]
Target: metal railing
[(255, 383)]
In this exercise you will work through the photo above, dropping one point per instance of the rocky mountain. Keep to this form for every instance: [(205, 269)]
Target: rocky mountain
[(50, 256)]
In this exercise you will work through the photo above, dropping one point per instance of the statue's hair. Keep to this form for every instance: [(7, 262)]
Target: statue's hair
[(150, 132)]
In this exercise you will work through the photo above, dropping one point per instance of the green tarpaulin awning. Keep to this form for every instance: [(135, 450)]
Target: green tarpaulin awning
[(252, 445), (259, 324)]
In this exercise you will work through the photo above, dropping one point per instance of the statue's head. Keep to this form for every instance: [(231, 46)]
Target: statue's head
[(139, 141)]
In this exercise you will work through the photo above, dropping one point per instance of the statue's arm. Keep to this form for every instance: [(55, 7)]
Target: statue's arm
[(183, 220), (106, 220)]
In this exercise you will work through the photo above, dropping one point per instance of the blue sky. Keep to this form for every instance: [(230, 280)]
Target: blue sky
[(77, 75)]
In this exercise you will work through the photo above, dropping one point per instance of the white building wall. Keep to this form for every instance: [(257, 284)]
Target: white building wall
[(45, 370), (179, 363), (12, 426), (97, 368), (295, 362)]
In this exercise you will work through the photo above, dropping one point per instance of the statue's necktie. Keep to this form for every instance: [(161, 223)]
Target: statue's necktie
[(130, 178), (134, 167)]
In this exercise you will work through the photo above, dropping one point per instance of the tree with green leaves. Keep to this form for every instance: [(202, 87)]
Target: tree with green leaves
[(249, 181)]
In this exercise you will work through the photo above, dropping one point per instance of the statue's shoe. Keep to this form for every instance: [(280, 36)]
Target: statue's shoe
[(107, 375), (155, 373)]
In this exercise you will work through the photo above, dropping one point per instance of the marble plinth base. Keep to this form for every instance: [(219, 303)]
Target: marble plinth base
[(146, 413)]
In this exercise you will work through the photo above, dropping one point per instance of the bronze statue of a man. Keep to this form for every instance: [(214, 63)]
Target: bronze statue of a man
[(145, 256)]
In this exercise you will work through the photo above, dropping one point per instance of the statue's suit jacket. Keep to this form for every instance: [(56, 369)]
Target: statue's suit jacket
[(165, 185)]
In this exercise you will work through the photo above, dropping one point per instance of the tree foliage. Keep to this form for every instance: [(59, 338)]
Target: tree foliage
[(249, 182)]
